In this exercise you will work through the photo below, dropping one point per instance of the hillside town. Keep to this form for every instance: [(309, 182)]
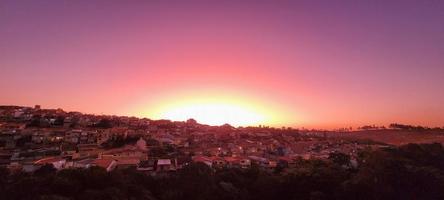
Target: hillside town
[(32, 137)]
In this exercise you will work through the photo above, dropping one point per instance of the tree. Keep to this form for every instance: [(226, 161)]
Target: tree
[(45, 170), (104, 123), (59, 121), (340, 159)]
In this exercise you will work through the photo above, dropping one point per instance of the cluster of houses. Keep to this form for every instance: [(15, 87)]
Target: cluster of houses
[(130, 156), (34, 137)]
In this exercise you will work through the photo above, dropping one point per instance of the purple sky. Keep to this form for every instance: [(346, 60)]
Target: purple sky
[(318, 63)]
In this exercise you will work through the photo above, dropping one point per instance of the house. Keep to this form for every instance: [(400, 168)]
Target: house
[(127, 152), (67, 122), (127, 163), (108, 164), (8, 139), (141, 144), (15, 167), (18, 113), (232, 162), (259, 160), (203, 159), (126, 157), (237, 162), (166, 165), (85, 163), (85, 138), (37, 138), (103, 137), (118, 132), (245, 163), (147, 165), (271, 164), (286, 161), (30, 167), (5, 158), (56, 162), (182, 161), (88, 149), (73, 136), (68, 149), (218, 162)]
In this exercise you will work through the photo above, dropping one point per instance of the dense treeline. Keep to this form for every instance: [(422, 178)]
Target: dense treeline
[(413, 128), (398, 126), (408, 172)]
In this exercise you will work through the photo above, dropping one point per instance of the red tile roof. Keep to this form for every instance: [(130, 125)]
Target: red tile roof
[(49, 160), (105, 163)]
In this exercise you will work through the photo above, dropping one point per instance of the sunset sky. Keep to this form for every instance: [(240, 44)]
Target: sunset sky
[(324, 64)]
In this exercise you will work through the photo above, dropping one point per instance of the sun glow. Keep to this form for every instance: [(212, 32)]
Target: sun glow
[(215, 114), (212, 109)]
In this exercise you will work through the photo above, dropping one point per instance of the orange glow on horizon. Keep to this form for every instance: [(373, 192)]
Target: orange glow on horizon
[(214, 114), (215, 110)]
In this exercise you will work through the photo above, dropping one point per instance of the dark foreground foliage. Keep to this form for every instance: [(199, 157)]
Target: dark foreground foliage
[(408, 172)]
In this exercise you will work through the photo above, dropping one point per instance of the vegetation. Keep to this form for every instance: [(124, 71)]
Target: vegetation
[(103, 123), (371, 127), (161, 151), (120, 141), (408, 172), (412, 128)]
